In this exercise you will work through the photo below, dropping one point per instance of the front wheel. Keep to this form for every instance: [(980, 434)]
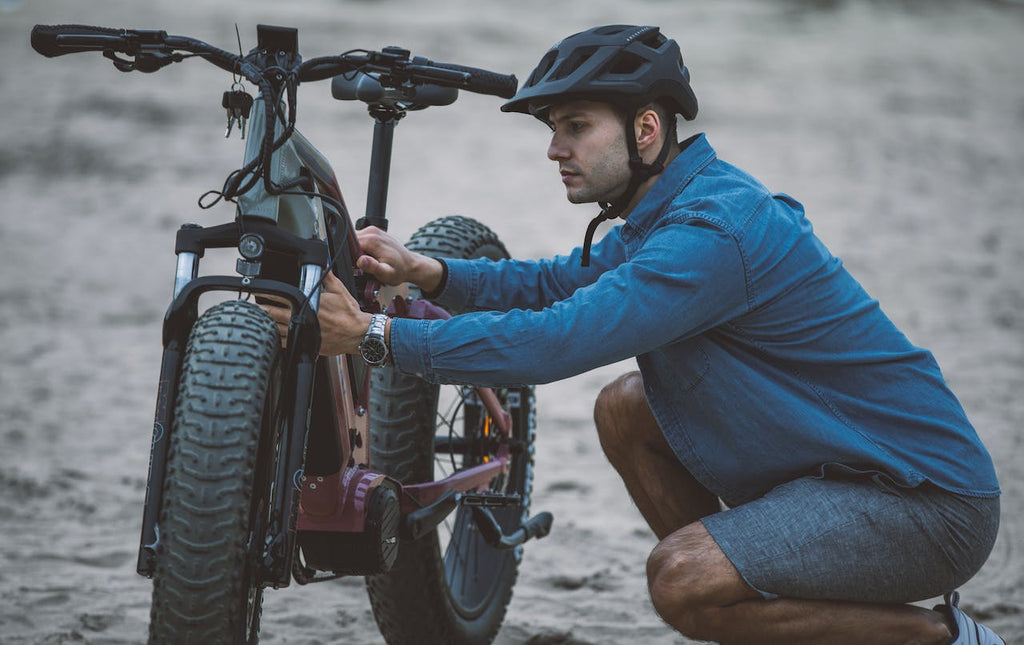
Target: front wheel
[(449, 586), (218, 481)]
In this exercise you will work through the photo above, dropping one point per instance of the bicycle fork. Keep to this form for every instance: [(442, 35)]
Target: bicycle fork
[(303, 346)]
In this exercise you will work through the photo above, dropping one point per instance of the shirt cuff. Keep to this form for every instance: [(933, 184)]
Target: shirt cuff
[(460, 285), (410, 346)]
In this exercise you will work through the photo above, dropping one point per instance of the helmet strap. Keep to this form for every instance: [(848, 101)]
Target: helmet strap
[(640, 172)]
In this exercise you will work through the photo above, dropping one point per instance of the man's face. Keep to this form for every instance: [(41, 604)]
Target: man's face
[(588, 142)]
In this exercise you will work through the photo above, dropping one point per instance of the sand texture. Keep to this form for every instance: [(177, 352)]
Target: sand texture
[(898, 124)]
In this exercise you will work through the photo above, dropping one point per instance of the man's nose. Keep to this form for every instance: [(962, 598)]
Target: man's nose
[(557, 150)]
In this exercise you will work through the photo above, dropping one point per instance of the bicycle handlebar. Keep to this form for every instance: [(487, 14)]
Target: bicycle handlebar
[(471, 79), (160, 48), (482, 81)]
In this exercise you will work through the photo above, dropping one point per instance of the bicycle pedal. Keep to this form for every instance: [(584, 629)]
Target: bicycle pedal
[(490, 500), (493, 534)]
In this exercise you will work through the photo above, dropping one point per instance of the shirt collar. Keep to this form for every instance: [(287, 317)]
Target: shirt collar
[(696, 153)]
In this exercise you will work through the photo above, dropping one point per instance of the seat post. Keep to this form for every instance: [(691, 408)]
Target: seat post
[(386, 118)]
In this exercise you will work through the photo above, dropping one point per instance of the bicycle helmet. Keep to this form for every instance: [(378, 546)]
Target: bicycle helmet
[(628, 66), (622, 64)]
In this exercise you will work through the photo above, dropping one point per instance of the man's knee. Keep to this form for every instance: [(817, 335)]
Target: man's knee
[(689, 578), (621, 413), (674, 588), (620, 398)]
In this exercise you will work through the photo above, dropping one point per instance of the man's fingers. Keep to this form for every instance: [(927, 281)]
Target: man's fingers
[(366, 262), (383, 256), (371, 265), (281, 315), (370, 236), (282, 330), (274, 300), (383, 271)]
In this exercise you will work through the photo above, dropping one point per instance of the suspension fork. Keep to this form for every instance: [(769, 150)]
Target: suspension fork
[(297, 390), (175, 339), (278, 554), (303, 343)]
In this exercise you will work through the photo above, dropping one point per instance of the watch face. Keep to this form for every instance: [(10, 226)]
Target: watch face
[(373, 350)]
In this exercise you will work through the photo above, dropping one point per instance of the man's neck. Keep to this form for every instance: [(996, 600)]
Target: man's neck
[(646, 186)]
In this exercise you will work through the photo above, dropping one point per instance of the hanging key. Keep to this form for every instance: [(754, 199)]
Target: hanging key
[(226, 103), (238, 105), (244, 108)]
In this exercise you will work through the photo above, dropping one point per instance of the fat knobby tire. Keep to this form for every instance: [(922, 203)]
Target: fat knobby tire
[(204, 591), (416, 602)]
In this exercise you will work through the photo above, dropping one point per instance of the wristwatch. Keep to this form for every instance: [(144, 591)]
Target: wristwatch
[(374, 349)]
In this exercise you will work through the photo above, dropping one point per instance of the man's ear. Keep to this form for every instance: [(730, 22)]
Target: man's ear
[(648, 128)]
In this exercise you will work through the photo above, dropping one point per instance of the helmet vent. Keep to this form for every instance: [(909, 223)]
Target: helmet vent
[(653, 39), (624, 63), (572, 63), (542, 68)]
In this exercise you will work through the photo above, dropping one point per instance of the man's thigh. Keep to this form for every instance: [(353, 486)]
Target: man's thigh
[(853, 539)]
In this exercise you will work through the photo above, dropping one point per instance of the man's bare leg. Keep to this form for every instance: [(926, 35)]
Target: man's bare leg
[(694, 586), (665, 493), (700, 593)]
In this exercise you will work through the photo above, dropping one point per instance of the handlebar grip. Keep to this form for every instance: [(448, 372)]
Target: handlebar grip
[(483, 81), (86, 38)]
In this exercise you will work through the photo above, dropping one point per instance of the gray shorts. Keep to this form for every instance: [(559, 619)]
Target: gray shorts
[(855, 539)]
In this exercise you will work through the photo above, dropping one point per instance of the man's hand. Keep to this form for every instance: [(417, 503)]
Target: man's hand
[(342, 324), (389, 261)]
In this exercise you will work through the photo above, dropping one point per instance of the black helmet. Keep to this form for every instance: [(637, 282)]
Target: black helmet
[(622, 64)]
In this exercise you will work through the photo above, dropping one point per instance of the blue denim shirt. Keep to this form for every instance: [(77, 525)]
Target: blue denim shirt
[(763, 359)]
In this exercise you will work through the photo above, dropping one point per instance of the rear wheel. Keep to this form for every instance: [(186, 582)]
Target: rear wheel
[(449, 586), (218, 480)]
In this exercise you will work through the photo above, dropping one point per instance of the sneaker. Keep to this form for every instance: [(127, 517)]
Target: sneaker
[(966, 631)]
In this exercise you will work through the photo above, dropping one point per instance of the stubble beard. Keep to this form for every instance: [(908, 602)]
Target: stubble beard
[(600, 188), (606, 179)]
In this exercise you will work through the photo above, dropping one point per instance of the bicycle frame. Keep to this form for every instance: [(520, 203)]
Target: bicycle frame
[(327, 402)]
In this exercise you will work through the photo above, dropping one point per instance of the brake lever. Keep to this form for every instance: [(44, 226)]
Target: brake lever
[(148, 62), (122, 64)]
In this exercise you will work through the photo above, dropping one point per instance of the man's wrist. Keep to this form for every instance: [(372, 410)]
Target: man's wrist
[(437, 279), (374, 347)]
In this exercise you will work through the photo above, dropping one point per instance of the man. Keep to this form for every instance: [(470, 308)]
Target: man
[(851, 479)]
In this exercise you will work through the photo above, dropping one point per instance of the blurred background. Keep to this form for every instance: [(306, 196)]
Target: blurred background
[(898, 124)]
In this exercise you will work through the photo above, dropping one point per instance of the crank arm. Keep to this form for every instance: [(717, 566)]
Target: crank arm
[(420, 522), (423, 520)]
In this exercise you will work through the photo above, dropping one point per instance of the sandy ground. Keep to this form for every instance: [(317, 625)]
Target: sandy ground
[(898, 124)]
